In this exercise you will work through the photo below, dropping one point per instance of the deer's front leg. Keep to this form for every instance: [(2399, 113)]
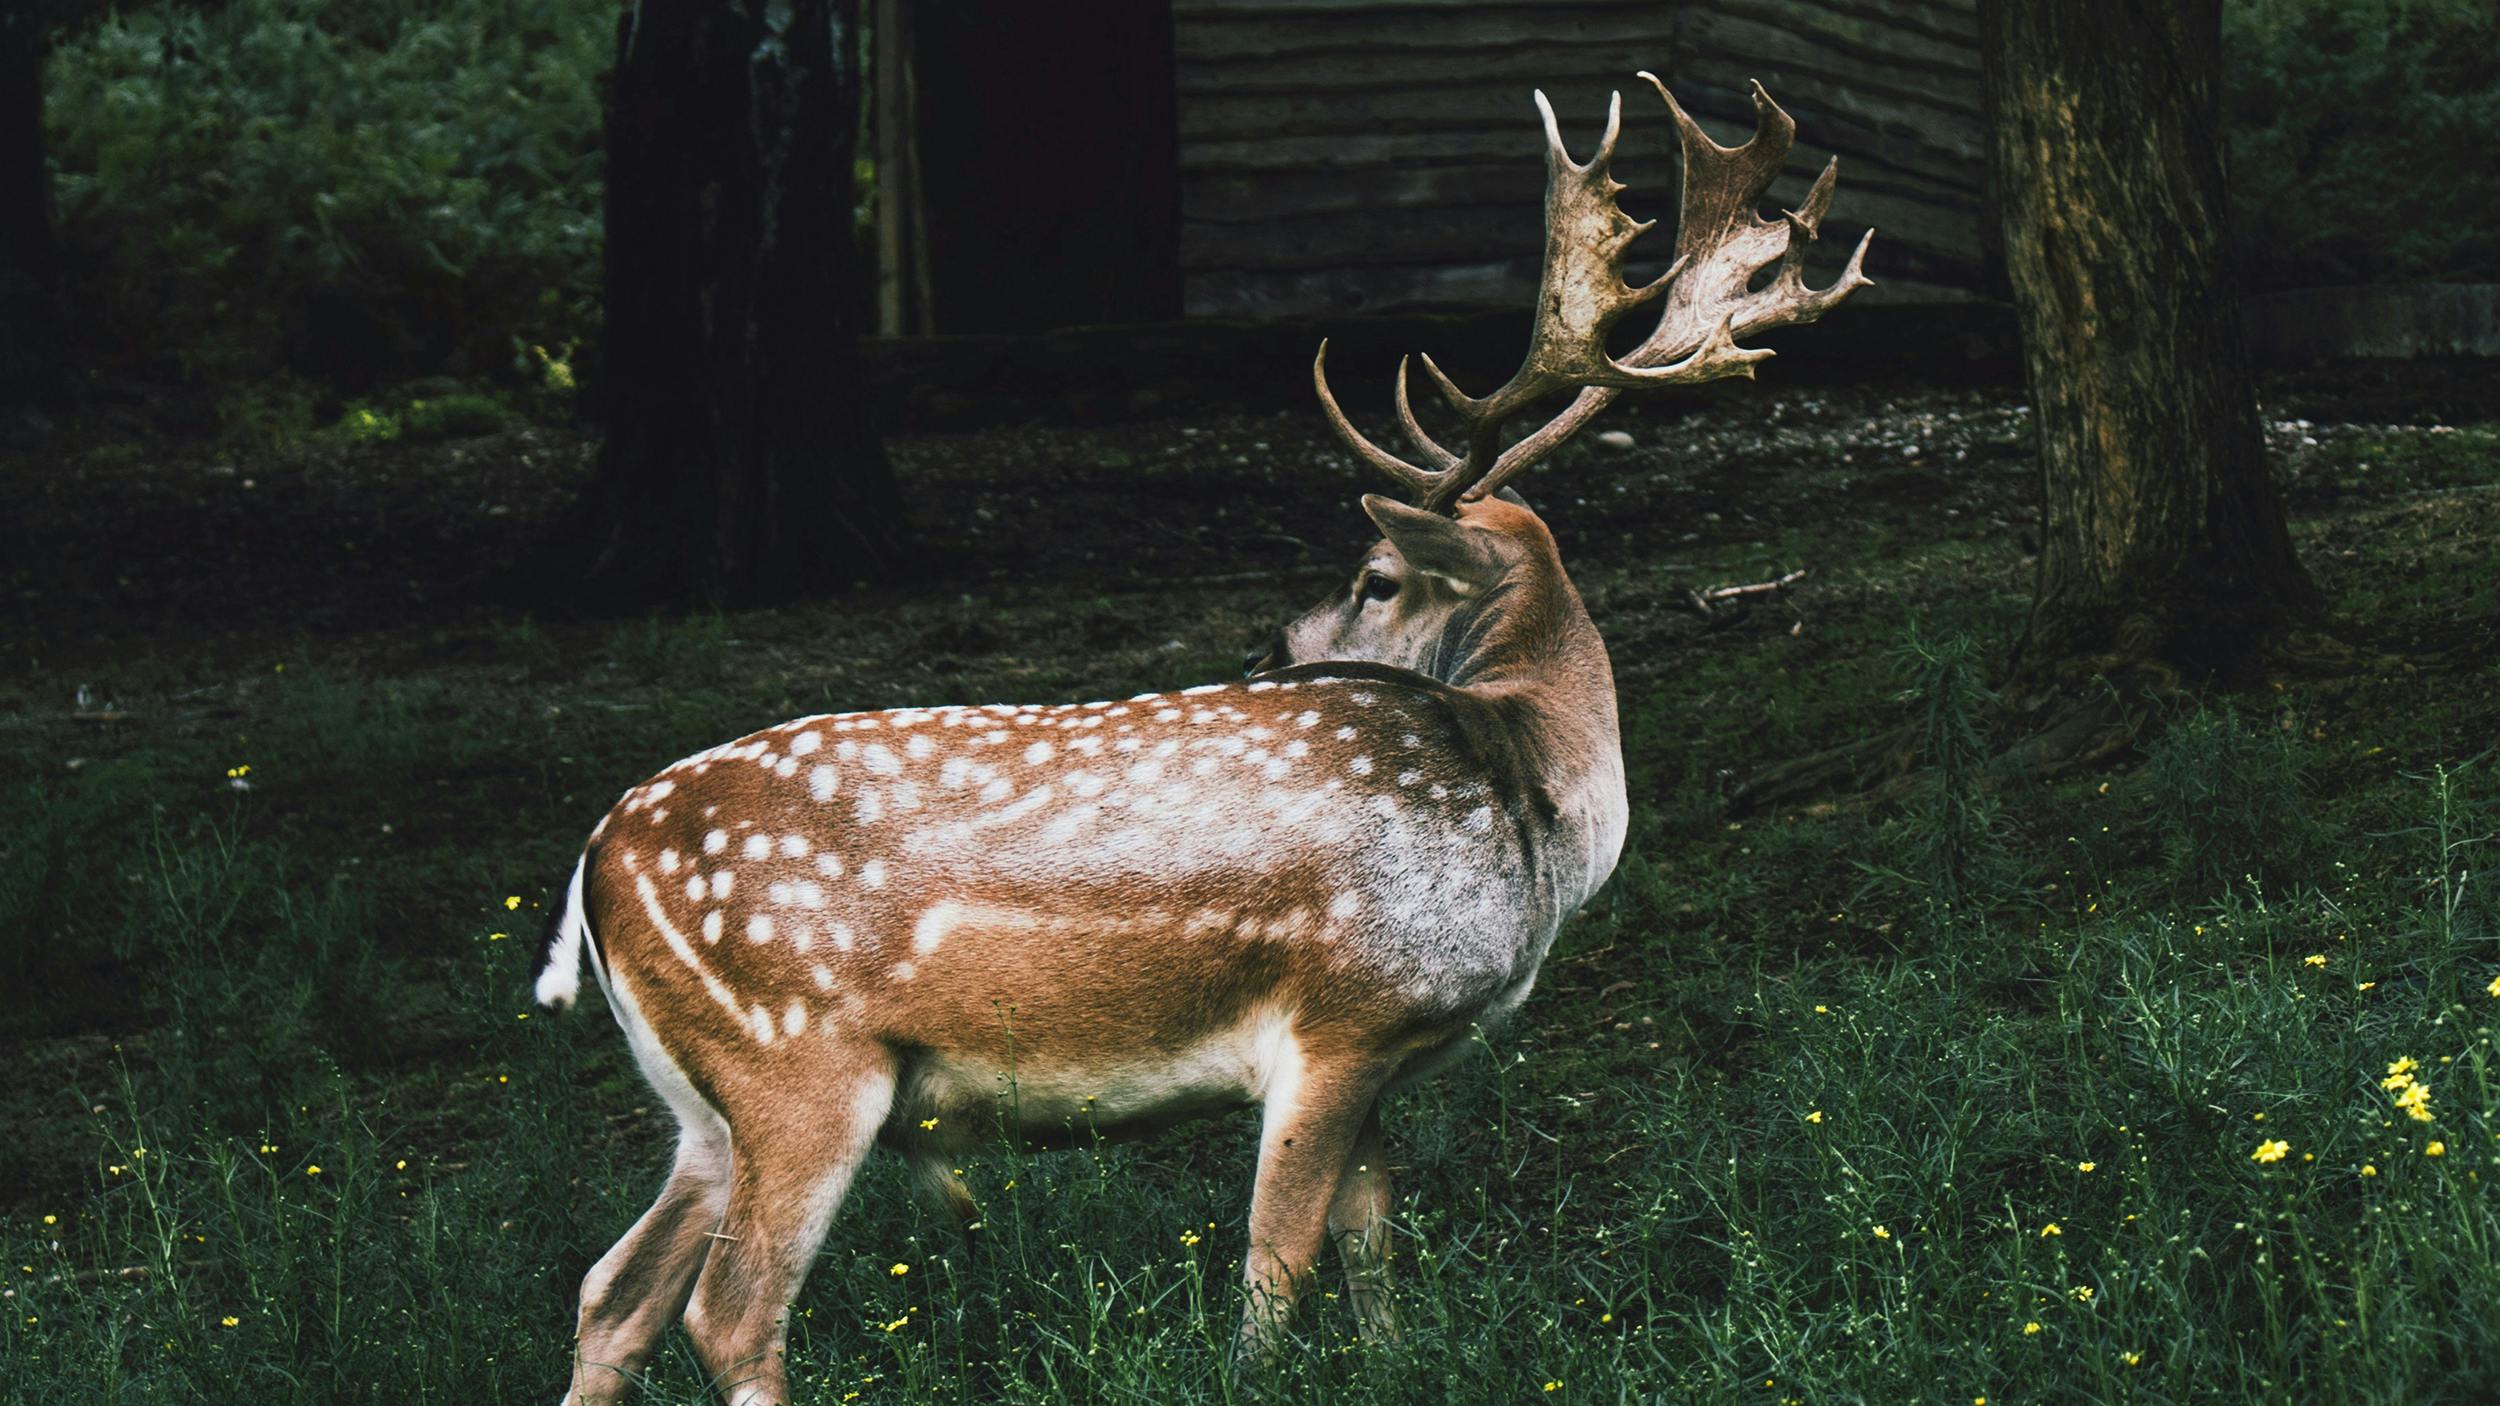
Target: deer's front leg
[(1358, 1220), (1314, 1118)]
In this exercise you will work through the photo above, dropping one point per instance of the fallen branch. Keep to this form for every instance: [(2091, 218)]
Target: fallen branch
[(1698, 602)]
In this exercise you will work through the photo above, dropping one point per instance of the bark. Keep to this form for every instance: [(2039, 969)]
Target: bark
[(741, 461), (2163, 545), (31, 329)]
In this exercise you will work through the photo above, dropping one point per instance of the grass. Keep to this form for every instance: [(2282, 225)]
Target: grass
[(1971, 1097)]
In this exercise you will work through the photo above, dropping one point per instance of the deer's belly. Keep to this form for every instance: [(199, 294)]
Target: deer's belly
[(1059, 1095)]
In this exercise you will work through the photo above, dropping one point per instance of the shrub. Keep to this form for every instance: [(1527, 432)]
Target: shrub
[(357, 190), (2356, 131)]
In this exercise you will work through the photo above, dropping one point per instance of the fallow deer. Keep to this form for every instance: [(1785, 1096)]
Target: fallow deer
[(931, 927)]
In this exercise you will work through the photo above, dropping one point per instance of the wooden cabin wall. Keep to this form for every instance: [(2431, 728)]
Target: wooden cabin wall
[(1348, 156)]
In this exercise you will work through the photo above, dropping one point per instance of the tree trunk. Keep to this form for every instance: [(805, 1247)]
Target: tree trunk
[(30, 322), (2162, 538), (741, 462)]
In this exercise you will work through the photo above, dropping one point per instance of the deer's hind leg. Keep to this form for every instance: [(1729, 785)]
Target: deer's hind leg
[(793, 1162), (640, 1285), (1358, 1220)]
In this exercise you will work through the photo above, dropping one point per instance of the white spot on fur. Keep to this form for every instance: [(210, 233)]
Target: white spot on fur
[(794, 1019), (998, 790), (721, 884), (805, 743), (1344, 906), (715, 841), (880, 761), (843, 937), (1360, 766), (759, 927), (1345, 734), (711, 926), (869, 806), (904, 971), (919, 747), (821, 782), (872, 874), (933, 927), (823, 975), (794, 846), (829, 864), (1478, 820), (1037, 754), (758, 847), (694, 888), (668, 861)]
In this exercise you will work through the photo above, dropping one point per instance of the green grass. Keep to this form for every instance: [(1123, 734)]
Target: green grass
[(1833, 1105)]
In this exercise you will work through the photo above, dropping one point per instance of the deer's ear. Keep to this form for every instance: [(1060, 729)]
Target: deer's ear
[(1435, 544)]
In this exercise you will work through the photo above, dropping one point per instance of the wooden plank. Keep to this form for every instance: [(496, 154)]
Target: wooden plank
[(1255, 296), (1189, 12), (1422, 65), (1263, 35)]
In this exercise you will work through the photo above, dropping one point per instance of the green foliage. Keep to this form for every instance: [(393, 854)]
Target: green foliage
[(352, 187), (2227, 802), (2357, 131), (1950, 822)]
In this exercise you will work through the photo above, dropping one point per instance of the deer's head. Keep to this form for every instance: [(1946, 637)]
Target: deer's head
[(1459, 555)]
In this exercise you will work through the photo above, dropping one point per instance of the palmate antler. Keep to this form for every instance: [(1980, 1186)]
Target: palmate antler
[(1721, 243)]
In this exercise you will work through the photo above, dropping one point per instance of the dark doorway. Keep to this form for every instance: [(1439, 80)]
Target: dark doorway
[(1048, 148)]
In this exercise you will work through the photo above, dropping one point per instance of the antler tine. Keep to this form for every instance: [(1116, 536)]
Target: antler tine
[(1414, 481), (1441, 458)]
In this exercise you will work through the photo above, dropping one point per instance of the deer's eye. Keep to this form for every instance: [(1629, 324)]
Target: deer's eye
[(1378, 587)]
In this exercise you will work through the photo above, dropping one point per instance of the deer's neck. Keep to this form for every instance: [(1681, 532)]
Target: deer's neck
[(1533, 657)]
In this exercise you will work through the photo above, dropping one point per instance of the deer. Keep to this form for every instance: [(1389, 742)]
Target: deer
[(929, 928)]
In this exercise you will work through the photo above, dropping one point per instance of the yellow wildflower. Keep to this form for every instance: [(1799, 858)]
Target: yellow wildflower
[(2082, 1293), (511, 902), (1882, 1234), (1553, 1386), (2416, 1102), (2435, 1148), (2369, 1169), (899, 1270), (2314, 959), (928, 1125), (2086, 1166), (51, 1220), (229, 1321), (1815, 1117), (2031, 1329), (313, 1171), (2131, 1358), (2405, 1065), (2052, 1228), (2494, 988), (2270, 1151)]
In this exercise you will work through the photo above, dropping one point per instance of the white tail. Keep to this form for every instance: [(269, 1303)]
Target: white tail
[(936, 927), (560, 961)]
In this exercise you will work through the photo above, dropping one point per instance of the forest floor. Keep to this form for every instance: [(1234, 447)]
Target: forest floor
[(1961, 1096)]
